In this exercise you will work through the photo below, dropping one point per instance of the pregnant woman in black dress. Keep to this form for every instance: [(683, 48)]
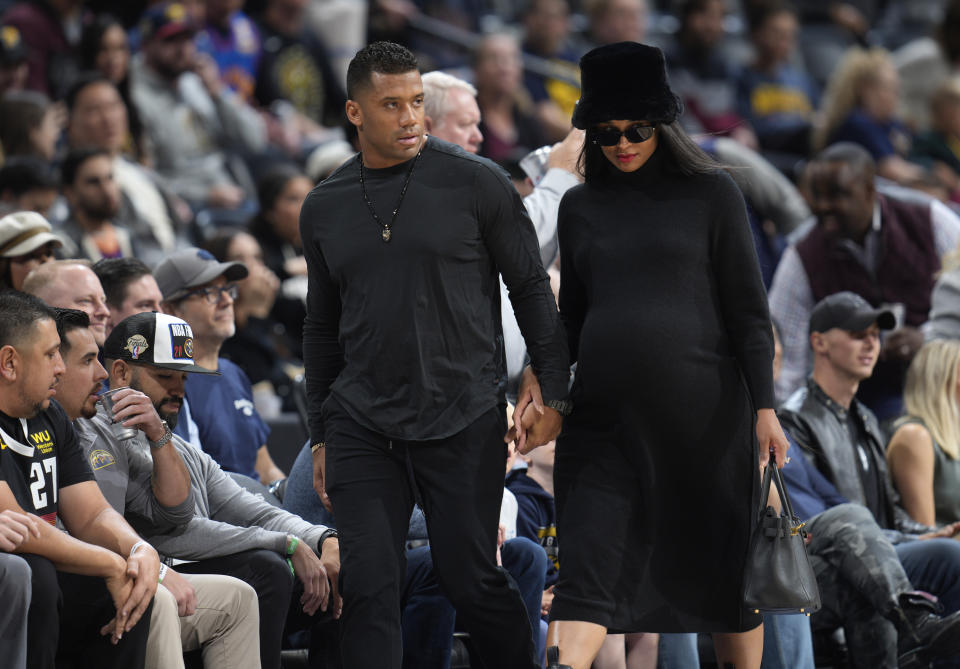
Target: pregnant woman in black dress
[(656, 470)]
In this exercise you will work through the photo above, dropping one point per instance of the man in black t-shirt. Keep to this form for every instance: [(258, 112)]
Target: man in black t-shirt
[(103, 574), (404, 362)]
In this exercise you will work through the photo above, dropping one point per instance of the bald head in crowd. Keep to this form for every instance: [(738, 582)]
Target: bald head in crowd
[(71, 284), (451, 111)]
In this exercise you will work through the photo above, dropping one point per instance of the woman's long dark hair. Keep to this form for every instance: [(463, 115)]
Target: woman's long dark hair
[(88, 50), (20, 113), (269, 188), (681, 155)]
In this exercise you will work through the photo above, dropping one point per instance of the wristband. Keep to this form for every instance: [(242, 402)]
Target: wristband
[(163, 572), (136, 547), (291, 549)]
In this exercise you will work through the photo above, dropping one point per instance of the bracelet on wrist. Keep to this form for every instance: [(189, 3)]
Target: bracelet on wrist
[(291, 549), (163, 572), (137, 546), (317, 446)]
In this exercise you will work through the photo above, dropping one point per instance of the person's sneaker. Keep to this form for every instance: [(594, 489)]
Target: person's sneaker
[(553, 659), (926, 635)]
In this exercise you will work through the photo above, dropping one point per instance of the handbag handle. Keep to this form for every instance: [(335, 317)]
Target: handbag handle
[(772, 475)]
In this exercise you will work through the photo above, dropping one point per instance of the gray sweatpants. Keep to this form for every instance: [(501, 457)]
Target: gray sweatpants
[(15, 590)]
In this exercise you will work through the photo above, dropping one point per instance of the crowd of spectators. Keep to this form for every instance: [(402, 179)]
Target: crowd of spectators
[(160, 153)]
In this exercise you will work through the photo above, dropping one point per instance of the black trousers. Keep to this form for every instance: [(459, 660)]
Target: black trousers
[(63, 625), (278, 595), (458, 481)]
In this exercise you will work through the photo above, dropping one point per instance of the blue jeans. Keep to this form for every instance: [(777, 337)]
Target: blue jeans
[(678, 651), (299, 497), (428, 618), (933, 565), (787, 642), (526, 562)]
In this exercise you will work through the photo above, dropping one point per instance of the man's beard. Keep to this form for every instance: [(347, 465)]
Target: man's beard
[(103, 212), (34, 407), (172, 416)]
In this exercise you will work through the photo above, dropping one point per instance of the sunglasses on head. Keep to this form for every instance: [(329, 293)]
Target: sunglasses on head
[(610, 136)]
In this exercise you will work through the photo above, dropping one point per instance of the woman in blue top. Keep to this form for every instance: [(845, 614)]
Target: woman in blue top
[(860, 106)]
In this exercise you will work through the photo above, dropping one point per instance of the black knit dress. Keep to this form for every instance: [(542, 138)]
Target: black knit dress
[(656, 470)]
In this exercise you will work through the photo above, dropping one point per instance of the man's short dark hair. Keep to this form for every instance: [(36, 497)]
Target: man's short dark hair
[(382, 57), (116, 274), (69, 320), (22, 174), (759, 13), (848, 153), (75, 160), (84, 80), (19, 314)]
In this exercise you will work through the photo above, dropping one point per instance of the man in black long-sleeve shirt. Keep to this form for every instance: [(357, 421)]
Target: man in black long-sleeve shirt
[(404, 359)]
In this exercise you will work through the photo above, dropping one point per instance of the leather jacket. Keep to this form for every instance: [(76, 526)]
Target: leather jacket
[(819, 426)]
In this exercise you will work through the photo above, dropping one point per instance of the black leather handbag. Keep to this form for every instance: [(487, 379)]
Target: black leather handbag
[(778, 577)]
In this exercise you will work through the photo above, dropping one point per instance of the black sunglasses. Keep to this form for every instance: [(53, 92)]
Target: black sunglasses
[(610, 136)]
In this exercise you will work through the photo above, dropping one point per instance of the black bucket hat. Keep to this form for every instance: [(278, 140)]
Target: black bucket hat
[(625, 80)]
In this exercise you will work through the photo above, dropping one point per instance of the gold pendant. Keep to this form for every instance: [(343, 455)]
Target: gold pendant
[(385, 234)]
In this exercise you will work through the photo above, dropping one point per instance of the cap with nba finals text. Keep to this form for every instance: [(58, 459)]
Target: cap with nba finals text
[(155, 339)]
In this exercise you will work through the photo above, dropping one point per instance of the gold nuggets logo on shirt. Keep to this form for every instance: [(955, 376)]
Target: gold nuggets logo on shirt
[(100, 459), (136, 345), (10, 36), (176, 12)]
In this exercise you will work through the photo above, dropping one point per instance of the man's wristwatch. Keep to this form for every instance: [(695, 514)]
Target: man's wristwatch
[(327, 533), (562, 407), (164, 440)]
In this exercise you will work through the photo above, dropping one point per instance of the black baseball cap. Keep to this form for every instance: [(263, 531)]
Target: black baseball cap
[(164, 21), (848, 311), (155, 339)]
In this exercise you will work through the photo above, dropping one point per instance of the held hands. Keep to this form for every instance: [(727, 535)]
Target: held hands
[(16, 528), (771, 438), (134, 409), (312, 572), (132, 587), (533, 423)]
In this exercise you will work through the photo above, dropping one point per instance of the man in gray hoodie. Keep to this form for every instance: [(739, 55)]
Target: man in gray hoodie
[(293, 565)]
